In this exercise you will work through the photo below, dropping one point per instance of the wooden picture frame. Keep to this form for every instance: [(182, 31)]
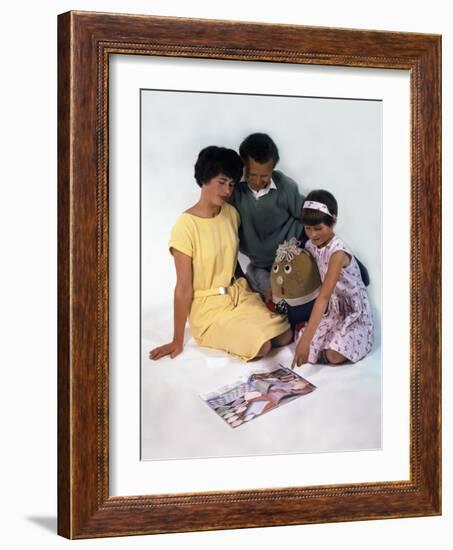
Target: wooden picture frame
[(85, 41)]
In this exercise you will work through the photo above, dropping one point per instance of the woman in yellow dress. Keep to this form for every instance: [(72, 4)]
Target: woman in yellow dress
[(223, 312)]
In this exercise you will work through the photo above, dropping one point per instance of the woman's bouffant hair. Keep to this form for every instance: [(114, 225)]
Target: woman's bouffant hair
[(213, 161), (315, 217)]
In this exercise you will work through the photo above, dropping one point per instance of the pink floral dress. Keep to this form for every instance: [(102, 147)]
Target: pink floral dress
[(347, 325)]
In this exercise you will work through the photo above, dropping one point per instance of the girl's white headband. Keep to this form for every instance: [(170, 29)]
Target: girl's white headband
[(317, 206)]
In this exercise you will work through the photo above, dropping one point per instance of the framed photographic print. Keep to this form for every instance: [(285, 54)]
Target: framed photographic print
[(141, 101)]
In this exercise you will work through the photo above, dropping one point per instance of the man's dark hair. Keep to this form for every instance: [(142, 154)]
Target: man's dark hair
[(213, 161), (260, 148)]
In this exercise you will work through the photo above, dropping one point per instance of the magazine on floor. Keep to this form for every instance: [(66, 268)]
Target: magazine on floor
[(260, 393)]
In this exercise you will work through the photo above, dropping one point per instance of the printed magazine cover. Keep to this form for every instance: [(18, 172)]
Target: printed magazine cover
[(260, 393)]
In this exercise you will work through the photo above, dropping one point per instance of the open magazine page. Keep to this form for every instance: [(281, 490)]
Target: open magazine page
[(259, 393)]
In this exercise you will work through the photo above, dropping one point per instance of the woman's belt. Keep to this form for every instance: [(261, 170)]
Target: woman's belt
[(220, 290)]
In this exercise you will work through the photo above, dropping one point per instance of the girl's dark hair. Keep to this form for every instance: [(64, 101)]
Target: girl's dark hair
[(315, 217), (260, 148), (213, 161)]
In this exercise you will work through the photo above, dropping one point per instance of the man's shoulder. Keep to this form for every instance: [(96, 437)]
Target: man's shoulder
[(283, 181), (239, 194), (240, 188)]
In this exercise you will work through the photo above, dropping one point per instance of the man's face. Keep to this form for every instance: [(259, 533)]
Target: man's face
[(257, 175)]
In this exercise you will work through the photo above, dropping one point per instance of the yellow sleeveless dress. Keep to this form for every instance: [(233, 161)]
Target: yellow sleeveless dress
[(237, 322)]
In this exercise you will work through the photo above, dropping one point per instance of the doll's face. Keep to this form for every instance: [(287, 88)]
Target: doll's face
[(295, 278)]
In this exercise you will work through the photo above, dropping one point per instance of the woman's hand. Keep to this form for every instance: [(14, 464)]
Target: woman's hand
[(172, 349), (302, 352), (182, 302)]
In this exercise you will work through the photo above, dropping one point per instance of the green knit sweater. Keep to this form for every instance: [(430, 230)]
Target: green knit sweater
[(268, 221)]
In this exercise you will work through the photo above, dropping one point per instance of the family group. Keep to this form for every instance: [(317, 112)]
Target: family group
[(247, 205)]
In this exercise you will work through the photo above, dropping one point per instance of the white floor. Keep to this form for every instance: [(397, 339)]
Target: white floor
[(343, 413)]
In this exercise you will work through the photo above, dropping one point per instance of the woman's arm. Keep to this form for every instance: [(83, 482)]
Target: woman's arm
[(181, 306), (337, 261)]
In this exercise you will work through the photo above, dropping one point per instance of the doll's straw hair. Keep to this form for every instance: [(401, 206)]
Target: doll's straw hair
[(288, 250)]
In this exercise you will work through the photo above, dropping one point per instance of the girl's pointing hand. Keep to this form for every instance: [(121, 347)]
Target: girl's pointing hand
[(302, 352)]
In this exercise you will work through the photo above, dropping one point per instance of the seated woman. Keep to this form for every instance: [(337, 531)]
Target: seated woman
[(223, 312)]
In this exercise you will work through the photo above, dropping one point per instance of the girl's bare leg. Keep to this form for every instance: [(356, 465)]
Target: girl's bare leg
[(333, 357), (282, 339)]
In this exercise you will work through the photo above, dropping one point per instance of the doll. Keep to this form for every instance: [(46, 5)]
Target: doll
[(295, 282)]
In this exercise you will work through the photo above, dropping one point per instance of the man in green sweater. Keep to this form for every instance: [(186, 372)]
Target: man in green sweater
[(270, 205)]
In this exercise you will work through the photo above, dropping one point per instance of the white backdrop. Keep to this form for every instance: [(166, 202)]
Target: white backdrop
[(28, 289), (333, 144)]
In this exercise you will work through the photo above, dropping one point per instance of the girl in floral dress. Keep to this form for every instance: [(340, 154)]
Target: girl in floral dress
[(340, 327)]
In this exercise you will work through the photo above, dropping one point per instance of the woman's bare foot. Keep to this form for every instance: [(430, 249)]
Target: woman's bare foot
[(264, 350), (283, 339)]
